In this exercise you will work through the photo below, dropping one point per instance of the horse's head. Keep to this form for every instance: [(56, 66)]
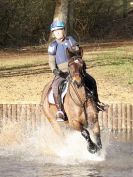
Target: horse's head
[(74, 51), (75, 66)]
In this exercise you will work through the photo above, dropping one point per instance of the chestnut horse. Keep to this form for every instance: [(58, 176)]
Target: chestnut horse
[(79, 106)]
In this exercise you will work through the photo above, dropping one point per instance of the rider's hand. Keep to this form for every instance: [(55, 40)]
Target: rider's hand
[(56, 72)]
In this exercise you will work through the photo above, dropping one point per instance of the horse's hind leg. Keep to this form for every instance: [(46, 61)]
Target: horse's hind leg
[(92, 147)]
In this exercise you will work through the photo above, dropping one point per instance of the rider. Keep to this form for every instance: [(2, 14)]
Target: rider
[(58, 62)]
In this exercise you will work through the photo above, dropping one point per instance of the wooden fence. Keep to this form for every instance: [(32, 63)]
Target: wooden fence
[(119, 117)]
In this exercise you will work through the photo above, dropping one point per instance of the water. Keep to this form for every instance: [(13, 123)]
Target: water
[(41, 153)]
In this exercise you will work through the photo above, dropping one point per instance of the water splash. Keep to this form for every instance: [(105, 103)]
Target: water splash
[(44, 146)]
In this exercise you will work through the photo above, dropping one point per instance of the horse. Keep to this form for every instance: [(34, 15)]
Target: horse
[(79, 107)]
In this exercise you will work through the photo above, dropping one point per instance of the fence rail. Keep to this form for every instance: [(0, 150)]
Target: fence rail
[(119, 117)]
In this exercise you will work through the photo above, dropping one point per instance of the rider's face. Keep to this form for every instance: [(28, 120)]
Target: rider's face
[(59, 34)]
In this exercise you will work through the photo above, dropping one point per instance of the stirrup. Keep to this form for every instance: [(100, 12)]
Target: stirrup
[(102, 107), (60, 117)]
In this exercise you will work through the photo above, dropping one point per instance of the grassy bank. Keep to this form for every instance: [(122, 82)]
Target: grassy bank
[(114, 64), (23, 75)]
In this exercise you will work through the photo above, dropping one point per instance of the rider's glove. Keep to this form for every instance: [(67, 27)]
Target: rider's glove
[(57, 72)]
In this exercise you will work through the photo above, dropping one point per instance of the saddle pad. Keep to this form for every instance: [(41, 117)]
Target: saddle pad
[(51, 97)]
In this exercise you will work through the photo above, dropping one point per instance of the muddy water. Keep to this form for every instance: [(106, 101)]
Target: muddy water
[(41, 153)]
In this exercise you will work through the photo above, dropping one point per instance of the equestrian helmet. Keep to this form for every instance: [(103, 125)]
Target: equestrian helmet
[(57, 25)]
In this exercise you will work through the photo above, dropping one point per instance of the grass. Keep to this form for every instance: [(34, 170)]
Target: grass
[(17, 61), (115, 64), (111, 67)]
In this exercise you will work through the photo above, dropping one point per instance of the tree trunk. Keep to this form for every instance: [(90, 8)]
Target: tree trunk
[(61, 12), (71, 17), (125, 8)]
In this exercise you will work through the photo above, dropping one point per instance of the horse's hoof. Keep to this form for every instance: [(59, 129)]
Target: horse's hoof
[(92, 149)]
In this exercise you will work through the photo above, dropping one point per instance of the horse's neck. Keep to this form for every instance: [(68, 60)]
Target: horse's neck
[(77, 94)]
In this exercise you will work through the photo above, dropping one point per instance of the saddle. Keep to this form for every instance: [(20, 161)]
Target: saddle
[(63, 90)]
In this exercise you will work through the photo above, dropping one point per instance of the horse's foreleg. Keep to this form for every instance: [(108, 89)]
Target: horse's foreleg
[(96, 134), (98, 141), (92, 147)]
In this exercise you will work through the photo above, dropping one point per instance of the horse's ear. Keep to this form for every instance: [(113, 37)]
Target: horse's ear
[(69, 53), (74, 52), (81, 51)]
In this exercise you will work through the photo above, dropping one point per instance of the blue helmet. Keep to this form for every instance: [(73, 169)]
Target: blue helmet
[(57, 25)]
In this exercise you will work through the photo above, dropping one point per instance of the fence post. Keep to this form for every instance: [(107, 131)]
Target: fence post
[(132, 119), (33, 119), (105, 119), (14, 112), (110, 117), (129, 117), (119, 117), (115, 117), (124, 117), (5, 114), (1, 115)]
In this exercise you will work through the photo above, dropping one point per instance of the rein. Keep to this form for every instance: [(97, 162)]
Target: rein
[(82, 102), (72, 83)]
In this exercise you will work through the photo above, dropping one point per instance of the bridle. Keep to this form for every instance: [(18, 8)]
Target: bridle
[(74, 85), (76, 60), (82, 103)]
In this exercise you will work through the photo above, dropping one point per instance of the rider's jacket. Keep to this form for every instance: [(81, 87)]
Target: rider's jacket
[(57, 53)]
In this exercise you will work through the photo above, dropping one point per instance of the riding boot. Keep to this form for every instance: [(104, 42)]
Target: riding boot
[(100, 106), (91, 86), (60, 115)]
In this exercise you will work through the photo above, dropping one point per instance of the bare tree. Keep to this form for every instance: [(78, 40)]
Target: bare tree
[(125, 8), (61, 10), (61, 13)]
